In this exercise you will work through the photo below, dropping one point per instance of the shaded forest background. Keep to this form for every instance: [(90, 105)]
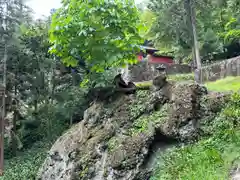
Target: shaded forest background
[(44, 96), (217, 23)]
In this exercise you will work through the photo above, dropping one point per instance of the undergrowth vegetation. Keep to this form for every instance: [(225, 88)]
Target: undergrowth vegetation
[(212, 157), (25, 166)]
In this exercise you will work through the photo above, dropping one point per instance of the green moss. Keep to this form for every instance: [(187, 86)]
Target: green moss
[(105, 173), (138, 106), (142, 123), (144, 85), (83, 172), (159, 116), (142, 94), (112, 144)]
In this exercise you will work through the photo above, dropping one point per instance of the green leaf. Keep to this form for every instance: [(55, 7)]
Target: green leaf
[(102, 31)]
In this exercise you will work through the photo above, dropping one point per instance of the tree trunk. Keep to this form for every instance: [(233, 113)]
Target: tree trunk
[(3, 109), (15, 117), (194, 31), (194, 58), (14, 131), (190, 8), (53, 81), (35, 105), (71, 120)]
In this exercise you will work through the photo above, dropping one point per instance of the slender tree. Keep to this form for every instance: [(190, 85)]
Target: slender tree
[(190, 5), (4, 15)]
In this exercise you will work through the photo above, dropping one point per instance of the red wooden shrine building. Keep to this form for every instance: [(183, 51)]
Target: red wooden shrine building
[(149, 53)]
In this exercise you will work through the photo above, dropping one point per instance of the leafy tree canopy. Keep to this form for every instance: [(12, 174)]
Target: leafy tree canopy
[(100, 33), (147, 18)]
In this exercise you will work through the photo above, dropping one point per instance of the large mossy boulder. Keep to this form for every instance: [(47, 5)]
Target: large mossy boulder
[(114, 139), (184, 111)]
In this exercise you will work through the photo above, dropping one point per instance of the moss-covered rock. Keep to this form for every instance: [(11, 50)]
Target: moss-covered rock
[(113, 140), (184, 111)]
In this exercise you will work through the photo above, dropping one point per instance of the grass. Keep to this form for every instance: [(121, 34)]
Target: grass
[(226, 84), (181, 77), (177, 77), (144, 84), (211, 158)]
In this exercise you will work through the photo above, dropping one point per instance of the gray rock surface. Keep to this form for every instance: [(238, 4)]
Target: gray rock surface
[(113, 141)]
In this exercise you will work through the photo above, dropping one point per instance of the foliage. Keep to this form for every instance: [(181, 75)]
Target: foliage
[(47, 123), (147, 19), (72, 104), (211, 44), (30, 68), (36, 68), (18, 57), (26, 165), (233, 110), (232, 30), (101, 79), (98, 34), (217, 28), (181, 77), (36, 81), (52, 119), (96, 37), (210, 158)]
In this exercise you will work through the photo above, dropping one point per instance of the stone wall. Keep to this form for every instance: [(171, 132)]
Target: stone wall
[(221, 69), (144, 71)]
